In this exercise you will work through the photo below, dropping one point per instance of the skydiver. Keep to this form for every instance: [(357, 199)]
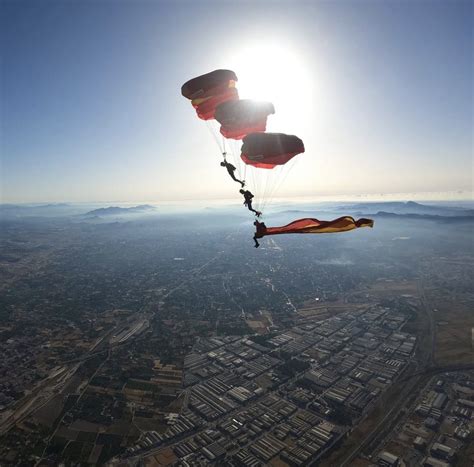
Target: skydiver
[(248, 196), (260, 230), (230, 170)]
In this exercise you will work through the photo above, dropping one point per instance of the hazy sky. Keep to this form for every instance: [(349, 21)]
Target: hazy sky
[(380, 92)]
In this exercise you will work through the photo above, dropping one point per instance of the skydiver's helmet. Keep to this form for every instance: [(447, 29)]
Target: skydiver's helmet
[(241, 191), (222, 164)]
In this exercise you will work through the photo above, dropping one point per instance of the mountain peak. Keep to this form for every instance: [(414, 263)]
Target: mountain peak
[(114, 210)]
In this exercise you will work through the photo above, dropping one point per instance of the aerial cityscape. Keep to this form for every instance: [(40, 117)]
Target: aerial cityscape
[(356, 351)]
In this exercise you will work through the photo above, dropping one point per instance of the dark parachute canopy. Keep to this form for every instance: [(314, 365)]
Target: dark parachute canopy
[(238, 118), (207, 91), (267, 150)]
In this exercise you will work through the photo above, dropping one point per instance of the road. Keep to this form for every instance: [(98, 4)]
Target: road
[(39, 397), (392, 414), (429, 314)]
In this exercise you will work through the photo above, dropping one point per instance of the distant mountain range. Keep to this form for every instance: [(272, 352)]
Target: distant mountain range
[(408, 209), (71, 210), (93, 213), (115, 210), (433, 217), (40, 210)]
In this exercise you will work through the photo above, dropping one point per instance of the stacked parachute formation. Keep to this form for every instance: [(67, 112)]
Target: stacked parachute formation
[(261, 159)]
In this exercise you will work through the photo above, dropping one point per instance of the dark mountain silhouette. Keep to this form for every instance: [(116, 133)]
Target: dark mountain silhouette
[(430, 217), (409, 207), (115, 210), (371, 209)]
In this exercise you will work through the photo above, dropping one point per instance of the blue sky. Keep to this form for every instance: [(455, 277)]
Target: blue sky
[(381, 93)]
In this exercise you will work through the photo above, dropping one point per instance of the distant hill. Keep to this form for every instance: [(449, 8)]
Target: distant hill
[(40, 210), (400, 208), (389, 210), (115, 210), (446, 219), (32, 207), (409, 207)]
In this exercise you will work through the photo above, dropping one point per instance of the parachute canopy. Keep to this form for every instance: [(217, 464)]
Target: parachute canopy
[(267, 150), (241, 117), (309, 225), (207, 91)]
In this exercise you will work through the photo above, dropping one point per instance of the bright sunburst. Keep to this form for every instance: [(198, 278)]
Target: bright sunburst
[(277, 73)]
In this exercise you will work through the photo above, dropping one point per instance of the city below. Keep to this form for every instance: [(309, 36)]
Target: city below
[(131, 337)]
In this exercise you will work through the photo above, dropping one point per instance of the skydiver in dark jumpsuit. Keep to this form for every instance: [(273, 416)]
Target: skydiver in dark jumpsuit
[(248, 196), (260, 229), (230, 170)]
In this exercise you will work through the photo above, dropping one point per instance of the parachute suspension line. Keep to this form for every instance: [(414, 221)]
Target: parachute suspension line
[(256, 189), (235, 145), (259, 192), (224, 152), (273, 181), (214, 135), (259, 183), (292, 165), (270, 181), (261, 189), (270, 178), (282, 174)]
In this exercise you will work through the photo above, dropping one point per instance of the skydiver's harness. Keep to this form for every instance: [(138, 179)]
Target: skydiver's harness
[(226, 164), (260, 230)]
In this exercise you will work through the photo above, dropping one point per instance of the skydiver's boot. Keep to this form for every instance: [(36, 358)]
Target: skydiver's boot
[(256, 242)]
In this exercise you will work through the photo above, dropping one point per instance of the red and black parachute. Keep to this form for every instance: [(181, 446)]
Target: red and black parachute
[(267, 150), (207, 91), (238, 118)]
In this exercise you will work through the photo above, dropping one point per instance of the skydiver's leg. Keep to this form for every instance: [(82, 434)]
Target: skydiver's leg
[(257, 213), (236, 179), (256, 242)]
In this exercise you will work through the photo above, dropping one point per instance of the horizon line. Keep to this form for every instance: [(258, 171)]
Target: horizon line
[(454, 195)]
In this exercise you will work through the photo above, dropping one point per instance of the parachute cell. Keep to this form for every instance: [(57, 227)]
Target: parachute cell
[(238, 118), (208, 91), (267, 150)]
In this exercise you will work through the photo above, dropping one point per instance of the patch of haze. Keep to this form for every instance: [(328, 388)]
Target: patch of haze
[(335, 262)]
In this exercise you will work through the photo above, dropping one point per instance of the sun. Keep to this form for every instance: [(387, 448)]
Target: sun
[(279, 74)]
